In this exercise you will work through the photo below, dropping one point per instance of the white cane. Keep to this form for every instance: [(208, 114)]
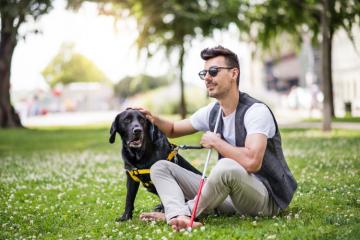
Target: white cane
[(193, 214)]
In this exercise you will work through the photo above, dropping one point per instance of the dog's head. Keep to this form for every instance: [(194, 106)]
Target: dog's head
[(133, 128)]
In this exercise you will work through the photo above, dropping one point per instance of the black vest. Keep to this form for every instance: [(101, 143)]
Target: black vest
[(274, 171)]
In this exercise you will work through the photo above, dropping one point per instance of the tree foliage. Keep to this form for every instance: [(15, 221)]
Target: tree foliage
[(173, 24), (68, 66), (274, 17), (321, 19)]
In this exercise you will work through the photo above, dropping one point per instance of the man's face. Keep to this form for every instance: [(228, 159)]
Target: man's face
[(219, 85)]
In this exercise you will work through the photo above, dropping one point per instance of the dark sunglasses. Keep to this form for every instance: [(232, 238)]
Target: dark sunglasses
[(213, 71)]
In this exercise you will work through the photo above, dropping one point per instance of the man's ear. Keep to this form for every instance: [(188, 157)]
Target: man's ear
[(236, 73), (113, 130)]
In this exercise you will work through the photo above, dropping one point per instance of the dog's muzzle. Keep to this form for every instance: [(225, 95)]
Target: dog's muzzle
[(137, 140)]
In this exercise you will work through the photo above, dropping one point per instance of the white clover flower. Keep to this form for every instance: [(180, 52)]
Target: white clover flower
[(271, 236)]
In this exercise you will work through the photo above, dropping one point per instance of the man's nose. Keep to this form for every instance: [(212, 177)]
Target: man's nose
[(207, 77)]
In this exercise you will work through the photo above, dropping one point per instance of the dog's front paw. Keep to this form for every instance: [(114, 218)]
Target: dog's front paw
[(124, 217)]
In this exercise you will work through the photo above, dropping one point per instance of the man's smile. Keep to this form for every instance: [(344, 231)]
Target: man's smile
[(211, 86)]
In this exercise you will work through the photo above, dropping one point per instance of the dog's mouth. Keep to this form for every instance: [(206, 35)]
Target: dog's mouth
[(136, 142)]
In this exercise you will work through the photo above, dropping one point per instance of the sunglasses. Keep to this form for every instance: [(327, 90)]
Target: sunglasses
[(213, 71)]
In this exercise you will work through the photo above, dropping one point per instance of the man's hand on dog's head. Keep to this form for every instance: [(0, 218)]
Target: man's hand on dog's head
[(147, 113)]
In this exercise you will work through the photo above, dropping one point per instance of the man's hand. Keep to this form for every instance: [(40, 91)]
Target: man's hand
[(209, 139), (147, 114), (171, 129)]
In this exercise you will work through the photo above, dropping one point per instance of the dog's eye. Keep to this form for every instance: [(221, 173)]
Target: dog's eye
[(127, 120), (141, 120)]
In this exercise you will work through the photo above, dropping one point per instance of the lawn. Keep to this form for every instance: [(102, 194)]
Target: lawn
[(70, 184)]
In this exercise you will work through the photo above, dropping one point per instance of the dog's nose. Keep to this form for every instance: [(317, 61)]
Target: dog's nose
[(137, 131)]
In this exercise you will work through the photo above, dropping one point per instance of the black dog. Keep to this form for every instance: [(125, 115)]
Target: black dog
[(142, 145)]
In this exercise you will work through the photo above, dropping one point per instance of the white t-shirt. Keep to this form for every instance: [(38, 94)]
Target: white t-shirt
[(257, 119)]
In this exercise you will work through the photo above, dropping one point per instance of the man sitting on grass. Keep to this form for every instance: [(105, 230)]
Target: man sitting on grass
[(251, 176)]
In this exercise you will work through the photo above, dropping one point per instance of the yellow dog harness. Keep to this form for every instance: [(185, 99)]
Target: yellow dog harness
[(137, 174)]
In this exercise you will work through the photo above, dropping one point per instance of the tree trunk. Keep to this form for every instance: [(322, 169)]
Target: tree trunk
[(8, 117), (332, 104), (182, 107), (325, 66)]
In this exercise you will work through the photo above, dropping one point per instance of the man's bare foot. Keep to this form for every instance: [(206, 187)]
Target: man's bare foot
[(152, 216), (182, 222)]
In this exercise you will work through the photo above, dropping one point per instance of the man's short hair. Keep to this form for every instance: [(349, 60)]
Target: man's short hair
[(230, 57)]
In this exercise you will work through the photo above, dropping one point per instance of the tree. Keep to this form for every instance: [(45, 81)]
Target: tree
[(322, 19), (68, 66), (176, 23), (173, 24), (13, 13)]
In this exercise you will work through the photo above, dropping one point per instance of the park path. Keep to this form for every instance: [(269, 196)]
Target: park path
[(285, 120), (318, 125)]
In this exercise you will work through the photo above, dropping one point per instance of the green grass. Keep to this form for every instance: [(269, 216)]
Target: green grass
[(69, 184)]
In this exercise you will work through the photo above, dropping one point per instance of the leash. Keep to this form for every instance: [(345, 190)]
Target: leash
[(193, 214), (185, 147)]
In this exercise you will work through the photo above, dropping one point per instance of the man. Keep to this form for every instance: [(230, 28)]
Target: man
[(251, 176)]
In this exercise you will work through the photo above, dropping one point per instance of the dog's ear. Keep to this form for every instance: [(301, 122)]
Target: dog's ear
[(113, 130), (153, 131)]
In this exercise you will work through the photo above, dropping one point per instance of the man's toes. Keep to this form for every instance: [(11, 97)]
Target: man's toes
[(152, 216)]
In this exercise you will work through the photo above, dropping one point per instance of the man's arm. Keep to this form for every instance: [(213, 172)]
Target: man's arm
[(171, 129), (250, 156)]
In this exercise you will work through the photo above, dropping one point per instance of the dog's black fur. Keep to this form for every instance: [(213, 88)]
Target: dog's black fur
[(142, 145)]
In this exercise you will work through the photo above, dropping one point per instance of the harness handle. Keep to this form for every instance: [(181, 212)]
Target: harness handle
[(189, 147)]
